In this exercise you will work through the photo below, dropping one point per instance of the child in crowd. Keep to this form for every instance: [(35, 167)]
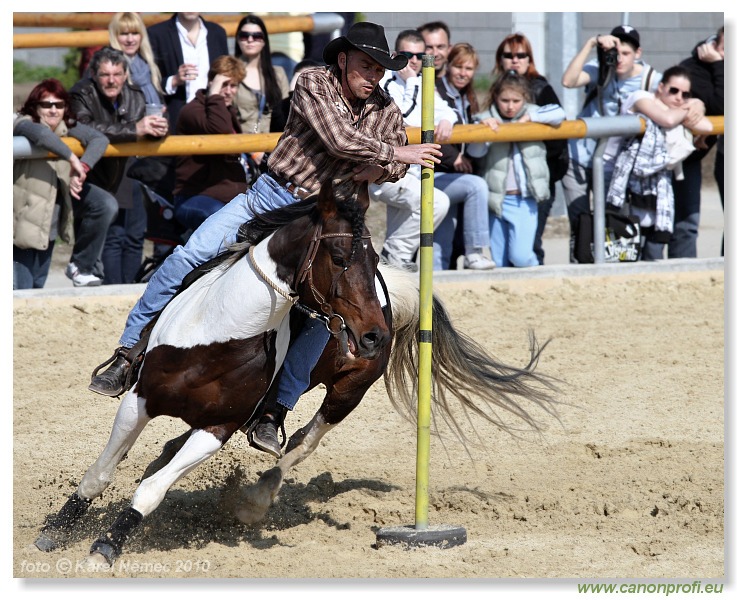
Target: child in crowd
[(516, 173)]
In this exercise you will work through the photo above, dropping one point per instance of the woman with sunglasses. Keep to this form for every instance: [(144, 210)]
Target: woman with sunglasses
[(122, 253), (515, 54), (668, 108), (260, 94), (43, 188), (265, 85)]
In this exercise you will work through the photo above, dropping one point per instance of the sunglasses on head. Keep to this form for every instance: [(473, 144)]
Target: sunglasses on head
[(511, 55), (417, 55), (254, 35), (672, 91), (60, 104)]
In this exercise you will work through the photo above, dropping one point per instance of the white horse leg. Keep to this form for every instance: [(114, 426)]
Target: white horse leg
[(200, 446), (130, 420), (259, 497)]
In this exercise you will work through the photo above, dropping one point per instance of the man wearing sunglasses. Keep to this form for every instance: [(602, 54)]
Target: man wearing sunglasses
[(607, 87)]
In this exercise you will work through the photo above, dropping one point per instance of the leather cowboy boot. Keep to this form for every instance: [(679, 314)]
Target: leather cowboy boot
[(111, 382), (265, 435)]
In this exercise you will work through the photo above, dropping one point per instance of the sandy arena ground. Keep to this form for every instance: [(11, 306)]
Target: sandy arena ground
[(629, 483)]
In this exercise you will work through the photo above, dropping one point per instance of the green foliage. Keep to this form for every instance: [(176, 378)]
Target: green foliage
[(68, 75)]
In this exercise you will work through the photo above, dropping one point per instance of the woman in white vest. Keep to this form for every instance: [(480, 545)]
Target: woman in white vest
[(43, 189)]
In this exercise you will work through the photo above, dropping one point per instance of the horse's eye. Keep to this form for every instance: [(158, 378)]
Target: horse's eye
[(339, 261)]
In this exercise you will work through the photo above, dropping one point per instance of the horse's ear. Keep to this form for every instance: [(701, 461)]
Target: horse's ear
[(326, 199), (362, 196)]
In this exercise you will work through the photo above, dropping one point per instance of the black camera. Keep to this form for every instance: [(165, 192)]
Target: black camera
[(610, 57)]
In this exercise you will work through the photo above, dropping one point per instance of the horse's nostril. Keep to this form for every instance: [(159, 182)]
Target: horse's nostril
[(373, 340), (369, 340)]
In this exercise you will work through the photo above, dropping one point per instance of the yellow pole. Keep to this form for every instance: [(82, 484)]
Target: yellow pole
[(424, 387)]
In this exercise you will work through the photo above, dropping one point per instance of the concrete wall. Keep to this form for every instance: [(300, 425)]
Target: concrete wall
[(667, 38)]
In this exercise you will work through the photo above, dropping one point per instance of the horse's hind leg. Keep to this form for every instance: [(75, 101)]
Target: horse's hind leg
[(130, 420), (200, 446)]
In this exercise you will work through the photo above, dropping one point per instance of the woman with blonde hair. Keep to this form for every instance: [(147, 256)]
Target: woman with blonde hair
[(455, 175), (128, 34)]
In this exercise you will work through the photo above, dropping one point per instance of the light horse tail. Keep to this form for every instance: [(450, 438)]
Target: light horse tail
[(465, 377)]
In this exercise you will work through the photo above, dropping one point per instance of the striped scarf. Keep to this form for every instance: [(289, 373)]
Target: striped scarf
[(641, 168)]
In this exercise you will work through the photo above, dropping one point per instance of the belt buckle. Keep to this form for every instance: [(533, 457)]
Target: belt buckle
[(292, 189)]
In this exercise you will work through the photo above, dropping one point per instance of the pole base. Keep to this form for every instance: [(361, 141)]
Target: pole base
[(442, 536)]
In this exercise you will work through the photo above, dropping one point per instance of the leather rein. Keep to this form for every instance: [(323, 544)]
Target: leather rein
[(334, 322)]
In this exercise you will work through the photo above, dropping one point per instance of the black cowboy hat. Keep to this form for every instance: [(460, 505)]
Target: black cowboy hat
[(368, 38)]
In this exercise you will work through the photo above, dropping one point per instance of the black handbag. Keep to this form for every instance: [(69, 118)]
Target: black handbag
[(622, 242)]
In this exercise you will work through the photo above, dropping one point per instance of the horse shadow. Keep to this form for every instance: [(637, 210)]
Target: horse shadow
[(192, 519)]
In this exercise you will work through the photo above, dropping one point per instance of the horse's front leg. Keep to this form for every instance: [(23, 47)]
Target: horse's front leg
[(130, 420), (346, 389)]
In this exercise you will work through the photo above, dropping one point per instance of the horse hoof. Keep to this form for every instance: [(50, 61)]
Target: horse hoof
[(45, 543), (102, 551), (95, 563), (258, 497)]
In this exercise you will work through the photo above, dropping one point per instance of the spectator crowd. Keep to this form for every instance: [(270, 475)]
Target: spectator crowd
[(491, 201)]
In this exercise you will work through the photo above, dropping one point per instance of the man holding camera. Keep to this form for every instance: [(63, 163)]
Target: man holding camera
[(615, 73)]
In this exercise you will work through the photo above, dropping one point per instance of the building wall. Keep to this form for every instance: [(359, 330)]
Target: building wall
[(667, 38)]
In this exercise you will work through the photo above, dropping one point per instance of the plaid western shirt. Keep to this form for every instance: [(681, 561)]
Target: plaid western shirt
[(323, 138)]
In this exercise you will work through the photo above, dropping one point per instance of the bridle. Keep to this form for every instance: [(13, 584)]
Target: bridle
[(334, 323)]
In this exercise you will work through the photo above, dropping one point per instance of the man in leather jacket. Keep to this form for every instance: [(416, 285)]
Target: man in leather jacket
[(106, 102)]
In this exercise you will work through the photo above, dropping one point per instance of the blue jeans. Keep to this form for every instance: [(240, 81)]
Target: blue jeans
[(123, 251), (473, 192), (31, 267), (207, 241), (543, 212), (192, 211), (93, 215), (687, 195), (513, 234)]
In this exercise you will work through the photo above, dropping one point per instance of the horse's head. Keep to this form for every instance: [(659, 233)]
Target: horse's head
[(337, 275)]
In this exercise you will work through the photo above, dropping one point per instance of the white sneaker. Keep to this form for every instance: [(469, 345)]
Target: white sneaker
[(477, 262), (80, 279)]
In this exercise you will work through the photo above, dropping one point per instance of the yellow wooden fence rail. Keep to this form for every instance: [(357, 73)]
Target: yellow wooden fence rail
[(175, 145), (85, 39)]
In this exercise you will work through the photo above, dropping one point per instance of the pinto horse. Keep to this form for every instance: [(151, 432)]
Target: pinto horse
[(217, 346)]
